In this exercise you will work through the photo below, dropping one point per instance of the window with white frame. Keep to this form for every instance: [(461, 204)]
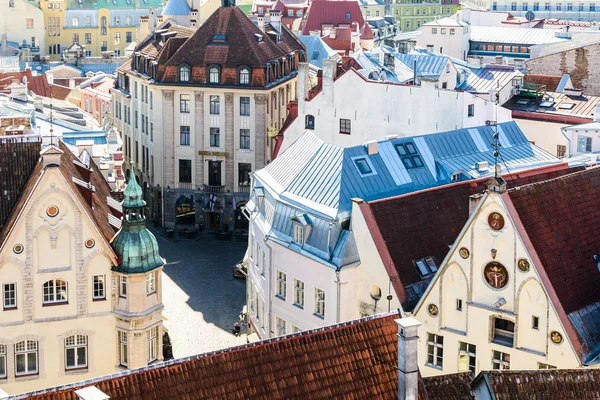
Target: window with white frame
[(500, 360), (76, 351), (298, 293), (10, 295), (151, 282), (123, 359), (184, 103), (244, 76), (280, 326), (504, 332), (184, 73), (295, 329), (584, 144), (545, 366), (260, 315), (319, 302), (281, 284), (471, 110), (258, 257), (26, 357), (263, 264), (213, 75), (2, 361), (214, 105), (123, 286), (435, 350), (467, 357), (55, 291), (98, 291), (299, 234), (151, 336)]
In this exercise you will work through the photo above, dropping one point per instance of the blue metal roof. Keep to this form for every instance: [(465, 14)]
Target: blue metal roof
[(99, 137), (317, 50), (427, 65), (176, 7)]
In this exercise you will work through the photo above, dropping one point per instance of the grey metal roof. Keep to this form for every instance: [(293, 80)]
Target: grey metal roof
[(530, 36), (482, 80)]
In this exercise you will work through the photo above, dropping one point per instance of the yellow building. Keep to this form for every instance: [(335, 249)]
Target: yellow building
[(99, 25), (77, 304)]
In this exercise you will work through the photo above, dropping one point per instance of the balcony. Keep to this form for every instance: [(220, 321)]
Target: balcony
[(243, 188), (214, 188)]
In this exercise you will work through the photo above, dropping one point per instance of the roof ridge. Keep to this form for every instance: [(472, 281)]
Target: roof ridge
[(566, 177)]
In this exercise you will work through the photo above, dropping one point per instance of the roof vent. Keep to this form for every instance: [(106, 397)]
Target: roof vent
[(482, 166), (91, 393), (372, 147)]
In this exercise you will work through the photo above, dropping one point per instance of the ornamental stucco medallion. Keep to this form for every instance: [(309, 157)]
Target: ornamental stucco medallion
[(496, 221), (464, 252), (556, 337), (433, 310), (90, 243), (495, 275), (523, 264), (18, 248)]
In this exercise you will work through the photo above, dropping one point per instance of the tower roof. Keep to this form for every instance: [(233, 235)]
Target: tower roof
[(132, 195), (176, 7)]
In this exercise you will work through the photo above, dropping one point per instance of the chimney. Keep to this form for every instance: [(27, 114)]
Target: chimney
[(303, 85), (372, 147), (329, 73), (91, 393), (597, 112), (261, 22), (474, 200), (332, 33), (276, 20), (315, 33), (466, 15), (152, 21), (475, 62), (497, 183), (38, 103), (4, 45), (408, 369), (143, 31)]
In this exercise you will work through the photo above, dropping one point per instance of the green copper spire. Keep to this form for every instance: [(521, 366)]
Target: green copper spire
[(134, 244)]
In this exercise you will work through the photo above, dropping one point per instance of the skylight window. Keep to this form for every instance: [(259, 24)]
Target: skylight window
[(347, 15), (219, 39), (409, 155), (128, 2), (315, 55), (259, 37), (566, 106), (426, 266), (363, 166), (115, 2)]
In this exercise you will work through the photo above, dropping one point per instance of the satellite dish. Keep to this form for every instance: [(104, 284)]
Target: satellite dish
[(529, 16)]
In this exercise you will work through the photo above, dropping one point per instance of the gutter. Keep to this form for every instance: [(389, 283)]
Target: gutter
[(562, 130)]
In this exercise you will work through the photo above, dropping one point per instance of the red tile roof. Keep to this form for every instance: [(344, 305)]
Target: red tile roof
[(561, 218), (37, 84), (550, 384), (352, 360), (402, 226), (550, 81), (331, 12), (60, 92)]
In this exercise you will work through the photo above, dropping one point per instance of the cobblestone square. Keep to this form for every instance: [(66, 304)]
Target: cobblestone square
[(202, 299)]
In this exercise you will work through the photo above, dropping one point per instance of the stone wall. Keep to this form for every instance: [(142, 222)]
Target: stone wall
[(581, 63)]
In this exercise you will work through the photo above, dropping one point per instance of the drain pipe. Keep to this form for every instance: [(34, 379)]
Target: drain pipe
[(339, 295)]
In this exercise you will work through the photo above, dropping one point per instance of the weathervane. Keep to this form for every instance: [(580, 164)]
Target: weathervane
[(51, 122)]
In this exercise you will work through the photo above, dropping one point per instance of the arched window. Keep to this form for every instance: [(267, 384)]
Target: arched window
[(55, 291), (117, 20), (184, 73), (213, 75), (309, 122), (244, 76), (88, 21), (128, 20), (75, 21), (26, 357), (76, 351)]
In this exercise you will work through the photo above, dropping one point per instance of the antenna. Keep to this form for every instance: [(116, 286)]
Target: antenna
[(51, 121)]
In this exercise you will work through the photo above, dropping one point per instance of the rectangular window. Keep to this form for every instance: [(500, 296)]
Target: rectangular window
[(345, 126), (295, 329), (2, 361), (536, 6), (98, 291), (500, 360), (471, 110), (136, 116), (29, 23), (524, 7), (245, 139), (280, 326), (185, 171), (26, 357), (435, 350), (76, 352), (513, 6), (504, 332), (299, 234), (151, 102), (128, 37), (298, 293), (123, 348), (244, 174), (10, 295), (467, 357), (558, 6), (434, 31), (184, 103), (443, 31), (214, 105), (320, 302), (547, 7), (151, 283), (117, 37), (592, 7), (281, 284), (535, 323), (569, 6), (215, 137), (184, 135), (151, 130), (363, 166), (545, 366), (561, 151), (152, 341), (123, 286), (452, 31), (459, 304), (245, 106), (584, 144), (88, 38)]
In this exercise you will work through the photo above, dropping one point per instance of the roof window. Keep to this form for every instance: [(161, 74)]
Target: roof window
[(363, 166), (347, 15), (566, 106), (259, 37), (409, 155), (426, 266), (219, 39), (315, 55)]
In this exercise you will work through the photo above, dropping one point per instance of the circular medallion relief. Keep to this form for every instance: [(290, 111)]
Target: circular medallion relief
[(496, 221), (90, 243), (464, 252), (52, 211), (523, 264), (495, 275), (432, 309), (556, 337), (18, 248)]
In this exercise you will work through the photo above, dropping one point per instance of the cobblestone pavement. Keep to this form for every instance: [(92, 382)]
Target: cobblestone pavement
[(202, 300)]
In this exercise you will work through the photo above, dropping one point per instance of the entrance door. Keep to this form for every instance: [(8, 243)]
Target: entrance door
[(214, 173)]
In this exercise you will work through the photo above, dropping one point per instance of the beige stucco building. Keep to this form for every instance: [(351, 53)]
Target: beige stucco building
[(72, 309), (23, 22)]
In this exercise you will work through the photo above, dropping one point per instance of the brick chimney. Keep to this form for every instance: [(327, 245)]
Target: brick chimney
[(408, 369)]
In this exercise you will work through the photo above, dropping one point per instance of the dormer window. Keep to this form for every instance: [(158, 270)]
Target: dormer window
[(309, 122), (184, 73), (214, 74), (219, 39), (244, 77), (299, 234)]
